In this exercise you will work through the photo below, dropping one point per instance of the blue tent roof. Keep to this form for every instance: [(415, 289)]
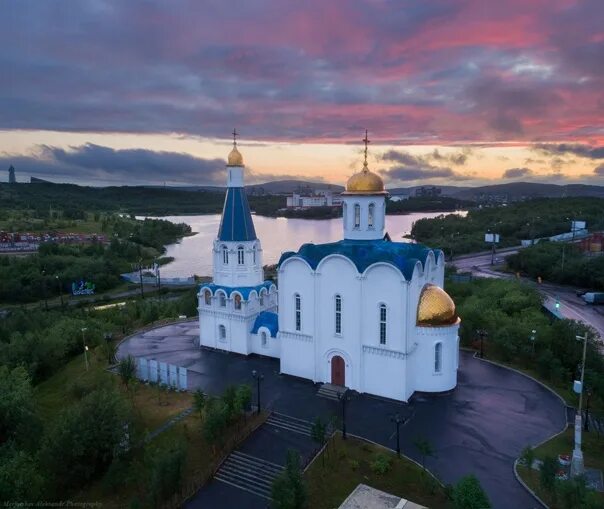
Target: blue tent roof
[(236, 223), (243, 290), (269, 320), (363, 253)]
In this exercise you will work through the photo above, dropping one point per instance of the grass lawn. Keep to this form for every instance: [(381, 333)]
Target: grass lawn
[(593, 453), (348, 463)]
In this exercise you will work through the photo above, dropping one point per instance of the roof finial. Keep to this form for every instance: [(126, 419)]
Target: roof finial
[(366, 141), (235, 134)]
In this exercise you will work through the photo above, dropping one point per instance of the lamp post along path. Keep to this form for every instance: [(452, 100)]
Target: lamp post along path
[(577, 465)]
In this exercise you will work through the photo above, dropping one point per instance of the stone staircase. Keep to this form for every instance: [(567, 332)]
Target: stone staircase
[(330, 391), (249, 473), (289, 423)]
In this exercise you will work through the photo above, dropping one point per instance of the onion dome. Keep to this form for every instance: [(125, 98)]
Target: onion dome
[(436, 308), (235, 157), (365, 181)]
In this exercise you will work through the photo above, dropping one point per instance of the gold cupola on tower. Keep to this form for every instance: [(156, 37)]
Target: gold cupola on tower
[(436, 308), (235, 158), (365, 181)]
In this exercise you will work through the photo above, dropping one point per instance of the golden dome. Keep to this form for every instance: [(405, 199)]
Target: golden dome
[(365, 182), (235, 158), (435, 307)]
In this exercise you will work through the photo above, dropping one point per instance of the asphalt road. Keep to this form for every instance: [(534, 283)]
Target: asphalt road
[(479, 428), (571, 306)]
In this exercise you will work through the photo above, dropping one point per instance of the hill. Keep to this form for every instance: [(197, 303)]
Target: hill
[(515, 191)]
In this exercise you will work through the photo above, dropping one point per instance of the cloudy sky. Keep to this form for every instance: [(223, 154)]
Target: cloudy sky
[(458, 92)]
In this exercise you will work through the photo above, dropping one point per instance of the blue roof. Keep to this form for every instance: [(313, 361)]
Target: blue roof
[(363, 253), (236, 223), (269, 320), (243, 290)]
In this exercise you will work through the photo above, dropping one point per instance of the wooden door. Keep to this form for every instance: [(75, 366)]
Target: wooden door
[(338, 376)]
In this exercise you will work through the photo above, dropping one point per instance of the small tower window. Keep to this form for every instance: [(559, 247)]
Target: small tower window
[(240, 255), (370, 215), (207, 295), (261, 298), (237, 301), (438, 357), (298, 309), (225, 255), (254, 254), (338, 314), (263, 339), (383, 324), (222, 333), (222, 299), (357, 215)]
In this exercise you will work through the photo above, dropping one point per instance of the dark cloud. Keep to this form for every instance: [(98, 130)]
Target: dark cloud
[(97, 164), (513, 173), (456, 158), (577, 149), (599, 170), (410, 167)]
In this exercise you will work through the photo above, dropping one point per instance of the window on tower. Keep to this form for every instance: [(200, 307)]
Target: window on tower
[(237, 301), (338, 314), (261, 297), (357, 215), (298, 308), (222, 333), (383, 324), (263, 339), (207, 295), (370, 216), (225, 255), (222, 299), (438, 357), (240, 255)]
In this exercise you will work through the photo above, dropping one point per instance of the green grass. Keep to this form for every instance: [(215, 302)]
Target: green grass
[(347, 463)]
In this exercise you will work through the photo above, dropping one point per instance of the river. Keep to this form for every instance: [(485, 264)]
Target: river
[(193, 255)]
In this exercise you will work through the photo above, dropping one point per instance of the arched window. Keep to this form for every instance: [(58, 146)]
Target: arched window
[(222, 333), (344, 214), (222, 299), (370, 215), (357, 215), (298, 308), (207, 295), (237, 301), (263, 339), (382, 324), (225, 255), (438, 357), (338, 314), (261, 297), (240, 255)]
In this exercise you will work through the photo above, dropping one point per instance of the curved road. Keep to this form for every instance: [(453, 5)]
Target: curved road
[(479, 428)]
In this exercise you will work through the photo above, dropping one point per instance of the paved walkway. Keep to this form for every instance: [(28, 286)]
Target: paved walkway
[(479, 428)]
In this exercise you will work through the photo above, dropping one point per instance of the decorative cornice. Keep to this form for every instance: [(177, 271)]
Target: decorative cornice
[(384, 352), (295, 335)]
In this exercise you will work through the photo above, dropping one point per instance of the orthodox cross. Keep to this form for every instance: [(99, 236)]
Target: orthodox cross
[(366, 141), (235, 134)]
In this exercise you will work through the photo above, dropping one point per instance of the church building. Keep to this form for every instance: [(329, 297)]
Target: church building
[(364, 312)]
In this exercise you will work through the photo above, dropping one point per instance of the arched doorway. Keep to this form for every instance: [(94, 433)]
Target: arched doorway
[(338, 373)]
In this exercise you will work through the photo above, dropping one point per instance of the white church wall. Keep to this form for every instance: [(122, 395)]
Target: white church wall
[(426, 378), (297, 354), (263, 344), (363, 231), (384, 373), (233, 273)]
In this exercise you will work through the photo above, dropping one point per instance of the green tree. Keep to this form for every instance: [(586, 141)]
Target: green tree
[(468, 494), (165, 471), (109, 351), (199, 401), (244, 397), (21, 479), (289, 490), (126, 369), (318, 432), (215, 422), (527, 456), (424, 448), (547, 475), (18, 420)]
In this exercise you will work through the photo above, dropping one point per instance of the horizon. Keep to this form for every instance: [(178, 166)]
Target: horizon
[(466, 93)]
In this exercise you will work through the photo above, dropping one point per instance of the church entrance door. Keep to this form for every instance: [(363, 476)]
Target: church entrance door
[(338, 376)]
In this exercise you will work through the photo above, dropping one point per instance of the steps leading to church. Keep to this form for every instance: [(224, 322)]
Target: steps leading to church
[(249, 473), (330, 391), (289, 423)]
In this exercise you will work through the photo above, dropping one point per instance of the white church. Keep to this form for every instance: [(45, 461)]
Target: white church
[(363, 312)]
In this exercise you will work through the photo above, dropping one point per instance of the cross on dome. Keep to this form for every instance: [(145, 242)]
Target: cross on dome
[(235, 158)]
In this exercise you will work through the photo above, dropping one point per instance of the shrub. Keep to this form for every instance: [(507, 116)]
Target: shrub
[(468, 494), (380, 465)]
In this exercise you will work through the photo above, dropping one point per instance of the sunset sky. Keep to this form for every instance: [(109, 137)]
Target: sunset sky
[(458, 92)]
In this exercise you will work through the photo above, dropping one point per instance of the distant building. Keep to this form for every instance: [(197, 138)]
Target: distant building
[(428, 191), (12, 179), (319, 198), (398, 196)]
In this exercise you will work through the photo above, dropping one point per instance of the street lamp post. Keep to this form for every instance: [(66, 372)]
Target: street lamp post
[(397, 421), (259, 378), (84, 329), (44, 290), (577, 466), (533, 338), (343, 399), (140, 275), (481, 334)]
